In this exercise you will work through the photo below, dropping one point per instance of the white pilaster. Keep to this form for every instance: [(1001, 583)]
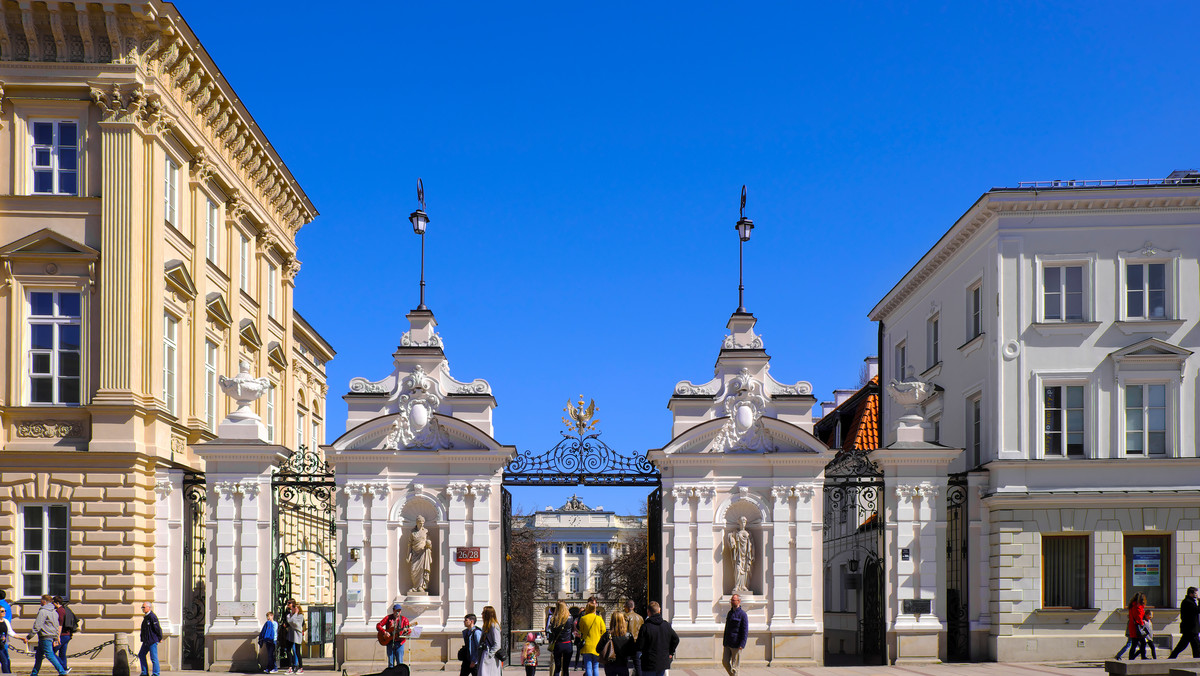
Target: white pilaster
[(460, 596), (707, 532), (481, 509), (681, 571)]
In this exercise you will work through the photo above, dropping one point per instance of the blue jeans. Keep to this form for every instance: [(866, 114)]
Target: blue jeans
[(152, 650), (1130, 643), (62, 649), (5, 666), (268, 647), (395, 653), (45, 648), (591, 665)]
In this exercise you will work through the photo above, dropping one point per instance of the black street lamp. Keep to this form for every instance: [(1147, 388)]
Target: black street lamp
[(419, 220), (743, 227)]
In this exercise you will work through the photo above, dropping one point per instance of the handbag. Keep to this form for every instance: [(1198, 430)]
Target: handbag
[(607, 650)]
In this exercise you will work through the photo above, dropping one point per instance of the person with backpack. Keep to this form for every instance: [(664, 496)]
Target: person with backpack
[(591, 628), (472, 636), (615, 652), (267, 639), (530, 654), (561, 638), (69, 624)]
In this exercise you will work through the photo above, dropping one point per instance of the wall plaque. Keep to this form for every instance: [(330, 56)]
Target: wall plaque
[(235, 609), (917, 606), (466, 554)]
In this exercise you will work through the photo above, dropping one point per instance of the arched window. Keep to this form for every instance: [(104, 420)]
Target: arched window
[(551, 582), (573, 577)]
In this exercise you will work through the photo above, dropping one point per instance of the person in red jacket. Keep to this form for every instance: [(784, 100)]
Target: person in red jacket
[(397, 626), (1137, 615)]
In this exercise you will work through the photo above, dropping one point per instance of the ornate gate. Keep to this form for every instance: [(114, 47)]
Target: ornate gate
[(958, 629), (194, 588), (304, 549), (581, 458), (852, 534)]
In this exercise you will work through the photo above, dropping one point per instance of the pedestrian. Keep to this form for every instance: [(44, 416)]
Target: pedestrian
[(591, 628), (635, 625), (576, 643), (1137, 613), (657, 642), (561, 639), (397, 627), (1189, 624), (69, 625), (622, 645), (489, 658), (295, 632), (6, 630), (8, 611), (46, 630), (1146, 639), (266, 642), (530, 654), (471, 637), (151, 636), (737, 628)]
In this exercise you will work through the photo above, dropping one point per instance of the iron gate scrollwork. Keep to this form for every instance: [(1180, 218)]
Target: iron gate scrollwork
[(852, 535), (304, 548), (958, 621), (195, 502)]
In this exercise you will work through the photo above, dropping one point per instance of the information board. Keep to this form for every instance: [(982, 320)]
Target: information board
[(1147, 565)]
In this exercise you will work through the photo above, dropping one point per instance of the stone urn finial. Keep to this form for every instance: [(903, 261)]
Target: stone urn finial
[(245, 389), (911, 393)]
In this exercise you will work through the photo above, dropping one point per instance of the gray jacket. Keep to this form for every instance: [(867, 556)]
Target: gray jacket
[(45, 625)]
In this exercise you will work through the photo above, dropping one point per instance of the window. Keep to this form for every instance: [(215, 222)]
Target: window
[(599, 547), (44, 550), (171, 192), (212, 232), (1062, 293), (974, 430), (551, 582), (55, 157), (1063, 420), (244, 263), (1065, 571), (1148, 569), (901, 359), (54, 347), (316, 439), (272, 271), (271, 415), (975, 311), (210, 384), (300, 429), (1145, 419), (932, 355), (597, 580), (935, 423), (573, 579), (170, 352), (1146, 290)]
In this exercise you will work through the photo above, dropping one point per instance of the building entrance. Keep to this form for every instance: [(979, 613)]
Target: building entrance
[(581, 458)]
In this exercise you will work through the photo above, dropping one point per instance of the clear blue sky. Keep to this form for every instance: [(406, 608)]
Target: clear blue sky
[(582, 163)]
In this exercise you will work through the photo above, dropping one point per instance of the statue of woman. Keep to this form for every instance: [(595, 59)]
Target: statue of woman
[(420, 557), (741, 549)]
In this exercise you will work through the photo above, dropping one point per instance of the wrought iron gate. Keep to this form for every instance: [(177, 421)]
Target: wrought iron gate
[(852, 535), (958, 621), (195, 502), (654, 560), (304, 549)]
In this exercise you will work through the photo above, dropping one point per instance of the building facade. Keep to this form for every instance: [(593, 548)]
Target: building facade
[(147, 241), (1057, 325)]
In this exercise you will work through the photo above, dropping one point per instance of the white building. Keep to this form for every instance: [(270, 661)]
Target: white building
[(1058, 322)]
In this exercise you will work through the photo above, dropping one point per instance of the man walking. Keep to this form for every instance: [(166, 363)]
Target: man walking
[(737, 627), (68, 623), (46, 628), (656, 642), (151, 635), (635, 623), (472, 635), (1189, 624)]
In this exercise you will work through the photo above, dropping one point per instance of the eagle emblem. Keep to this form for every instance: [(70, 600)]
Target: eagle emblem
[(580, 419)]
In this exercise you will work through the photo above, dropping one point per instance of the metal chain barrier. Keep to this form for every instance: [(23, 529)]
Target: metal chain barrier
[(91, 653)]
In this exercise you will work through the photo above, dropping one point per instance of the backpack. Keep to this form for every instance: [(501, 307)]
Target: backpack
[(70, 622), (608, 651)]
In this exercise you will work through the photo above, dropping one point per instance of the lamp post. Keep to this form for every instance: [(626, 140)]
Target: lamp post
[(743, 227), (419, 220)]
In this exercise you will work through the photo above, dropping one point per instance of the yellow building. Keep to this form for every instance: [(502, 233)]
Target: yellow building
[(147, 244)]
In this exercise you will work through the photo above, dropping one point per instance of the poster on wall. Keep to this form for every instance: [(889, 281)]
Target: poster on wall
[(1147, 562)]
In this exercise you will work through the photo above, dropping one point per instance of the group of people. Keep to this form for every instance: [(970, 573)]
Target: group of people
[(1139, 629), (626, 638), (288, 637), (52, 630)]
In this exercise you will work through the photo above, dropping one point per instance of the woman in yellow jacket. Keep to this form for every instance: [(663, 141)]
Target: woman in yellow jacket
[(591, 628)]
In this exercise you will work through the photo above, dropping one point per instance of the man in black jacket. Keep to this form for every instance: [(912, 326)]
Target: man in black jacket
[(1189, 624), (656, 642), (151, 635), (737, 629)]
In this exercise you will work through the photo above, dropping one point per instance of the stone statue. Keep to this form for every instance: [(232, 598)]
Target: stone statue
[(420, 557), (244, 389), (741, 548)]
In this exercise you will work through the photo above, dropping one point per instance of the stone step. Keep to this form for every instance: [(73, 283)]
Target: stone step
[(1184, 667)]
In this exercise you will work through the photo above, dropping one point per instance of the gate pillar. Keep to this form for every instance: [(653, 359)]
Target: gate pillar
[(915, 481)]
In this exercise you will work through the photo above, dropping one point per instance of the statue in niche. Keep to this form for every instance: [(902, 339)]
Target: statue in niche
[(741, 549), (420, 557)]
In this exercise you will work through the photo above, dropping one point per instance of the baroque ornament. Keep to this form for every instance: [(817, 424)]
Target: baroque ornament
[(416, 427), (435, 340), (49, 429), (245, 390), (744, 429)]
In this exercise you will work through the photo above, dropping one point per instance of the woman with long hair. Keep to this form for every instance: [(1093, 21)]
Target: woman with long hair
[(1137, 615), (591, 628), (295, 623), (561, 640), (489, 647), (618, 632)]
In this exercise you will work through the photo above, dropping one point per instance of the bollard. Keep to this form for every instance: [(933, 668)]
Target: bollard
[(122, 654)]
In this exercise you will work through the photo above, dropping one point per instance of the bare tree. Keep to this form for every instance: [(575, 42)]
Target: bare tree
[(624, 577)]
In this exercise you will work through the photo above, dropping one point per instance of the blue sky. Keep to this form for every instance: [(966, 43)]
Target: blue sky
[(582, 164)]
